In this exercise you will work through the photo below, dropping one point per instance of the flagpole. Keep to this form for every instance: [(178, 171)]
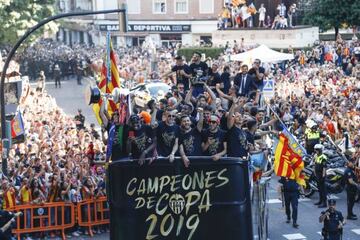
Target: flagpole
[(108, 63), (278, 118)]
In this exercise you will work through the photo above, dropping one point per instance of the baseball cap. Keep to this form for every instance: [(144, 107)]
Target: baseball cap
[(178, 57)]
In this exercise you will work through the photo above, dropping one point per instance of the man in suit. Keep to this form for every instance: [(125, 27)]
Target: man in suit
[(244, 82)]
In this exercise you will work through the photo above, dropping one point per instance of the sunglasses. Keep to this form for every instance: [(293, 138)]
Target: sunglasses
[(213, 122), (171, 116)]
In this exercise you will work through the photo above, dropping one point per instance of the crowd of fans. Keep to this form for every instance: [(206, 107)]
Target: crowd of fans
[(56, 163), (215, 108), (242, 15)]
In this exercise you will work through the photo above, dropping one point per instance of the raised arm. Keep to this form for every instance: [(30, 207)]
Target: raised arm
[(200, 123), (221, 94)]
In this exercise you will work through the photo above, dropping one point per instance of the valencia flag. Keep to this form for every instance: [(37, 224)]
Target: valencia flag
[(108, 82), (288, 163), (238, 2)]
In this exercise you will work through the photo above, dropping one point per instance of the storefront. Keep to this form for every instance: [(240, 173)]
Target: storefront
[(165, 35)]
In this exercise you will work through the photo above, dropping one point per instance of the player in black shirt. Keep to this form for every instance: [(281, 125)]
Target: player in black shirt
[(190, 138), (214, 142), (236, 137), (183, 72), (140, 141), (214, 76), (167, 134), (198, 69)]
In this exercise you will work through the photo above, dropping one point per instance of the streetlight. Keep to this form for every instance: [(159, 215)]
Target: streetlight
[(13, 51)]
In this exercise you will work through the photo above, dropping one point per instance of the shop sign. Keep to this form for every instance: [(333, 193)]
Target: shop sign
[(147, 28)]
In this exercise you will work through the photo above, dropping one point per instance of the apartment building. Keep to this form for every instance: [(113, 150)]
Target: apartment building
[(167, 22)]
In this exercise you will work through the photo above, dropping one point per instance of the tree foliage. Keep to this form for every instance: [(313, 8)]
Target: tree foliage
[(329, 14), (19, 15)]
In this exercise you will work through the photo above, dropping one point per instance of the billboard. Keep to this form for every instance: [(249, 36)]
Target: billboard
[(208, 200)]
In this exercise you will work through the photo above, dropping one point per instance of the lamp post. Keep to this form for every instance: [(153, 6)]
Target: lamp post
[(13, 51)]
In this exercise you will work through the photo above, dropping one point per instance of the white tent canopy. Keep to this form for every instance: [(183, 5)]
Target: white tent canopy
[(263, 53)]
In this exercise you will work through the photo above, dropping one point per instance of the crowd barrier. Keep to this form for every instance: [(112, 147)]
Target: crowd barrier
[(59, 216), (93, 212)]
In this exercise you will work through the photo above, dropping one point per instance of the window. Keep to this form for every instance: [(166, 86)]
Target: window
[(159, 6), (133, 6), (206, 6), (181, 6)]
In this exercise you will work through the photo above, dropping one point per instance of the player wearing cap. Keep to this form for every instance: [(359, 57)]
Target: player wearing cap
[(140, 139), (214, 143), (333, 222)]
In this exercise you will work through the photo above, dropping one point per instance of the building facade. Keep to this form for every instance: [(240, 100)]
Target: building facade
[(167, 22)]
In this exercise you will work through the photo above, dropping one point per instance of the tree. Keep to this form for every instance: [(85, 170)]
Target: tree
[(19, 15), (329, 14)]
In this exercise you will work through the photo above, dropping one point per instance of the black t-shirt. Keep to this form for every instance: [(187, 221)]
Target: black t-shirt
[(119, 143), (237, 143), (191, 142), (180, 78), (201, 66), (144, 137), (349, 174), (214, 78), (225, 78), (166, 136), (216, 141), (252, 72)]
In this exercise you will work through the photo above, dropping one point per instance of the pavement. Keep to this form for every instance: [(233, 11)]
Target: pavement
[(71, 97)]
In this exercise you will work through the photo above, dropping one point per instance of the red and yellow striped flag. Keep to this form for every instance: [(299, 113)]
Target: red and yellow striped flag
[(288, 163), (108, 86), (238, 2)]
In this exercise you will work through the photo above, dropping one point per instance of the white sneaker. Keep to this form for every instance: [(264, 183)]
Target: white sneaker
[(76, 234)]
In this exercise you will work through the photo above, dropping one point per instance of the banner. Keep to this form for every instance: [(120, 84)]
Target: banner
[(208, 200)]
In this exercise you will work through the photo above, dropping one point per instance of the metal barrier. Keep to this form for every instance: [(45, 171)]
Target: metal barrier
[(93, 212), (260, 210), (46, 217)]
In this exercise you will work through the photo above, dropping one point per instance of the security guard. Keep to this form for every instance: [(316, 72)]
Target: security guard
[(291, 194), (333, 222), (351, 188), (320, 173), (312, 137)]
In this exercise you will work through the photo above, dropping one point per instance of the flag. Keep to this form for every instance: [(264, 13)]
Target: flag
[(287, 162), (293, 143), (109, 79), (238, 2), (17, 126)]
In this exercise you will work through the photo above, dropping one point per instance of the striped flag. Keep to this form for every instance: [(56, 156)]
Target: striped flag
[(238, 2), (293, 143), (109, 79), (288, 163)]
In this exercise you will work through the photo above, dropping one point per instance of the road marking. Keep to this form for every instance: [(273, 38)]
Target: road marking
[(357, 231), (275, 200), (295, 236)]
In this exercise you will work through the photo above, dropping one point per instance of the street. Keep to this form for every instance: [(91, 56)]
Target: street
[(71, 97)]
